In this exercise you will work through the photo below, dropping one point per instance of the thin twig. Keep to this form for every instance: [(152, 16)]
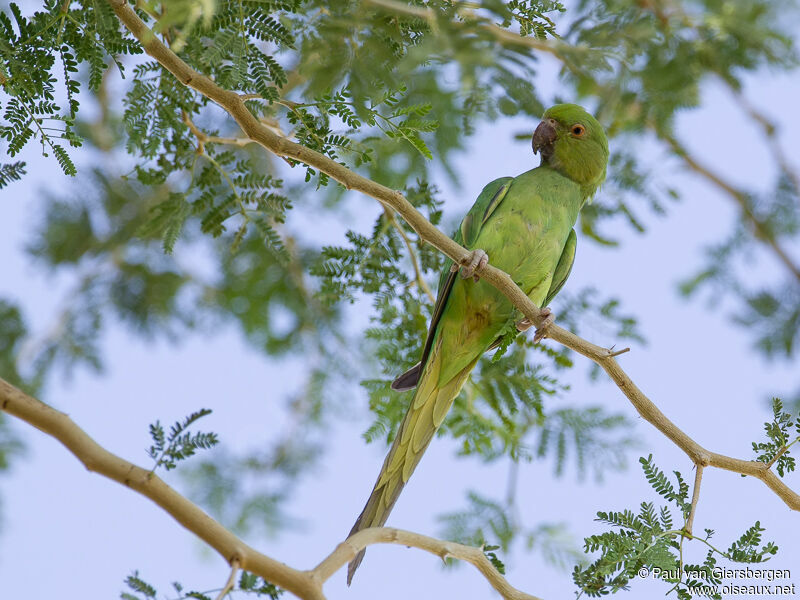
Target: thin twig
[(203, 138), (784, 449), (771, 133), (413, 255), (760, 229), (698, 478), (231, 580)]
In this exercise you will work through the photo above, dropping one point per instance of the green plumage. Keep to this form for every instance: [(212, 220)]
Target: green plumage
[(525, 225)]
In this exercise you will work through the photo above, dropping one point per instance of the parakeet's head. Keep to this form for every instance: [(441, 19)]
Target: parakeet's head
[(572, 142)]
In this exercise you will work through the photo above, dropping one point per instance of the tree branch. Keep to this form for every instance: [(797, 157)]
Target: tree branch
[(499, 33), (347, 551), (257, 131), (771, 133), (304, 584), (760, 230), (203, 138), (99, 460)]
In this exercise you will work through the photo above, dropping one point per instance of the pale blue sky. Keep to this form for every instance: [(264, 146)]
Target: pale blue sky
[(68, 530)]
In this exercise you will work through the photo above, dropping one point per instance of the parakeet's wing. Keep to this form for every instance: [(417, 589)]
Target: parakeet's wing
[(563, 268), (466, 235)]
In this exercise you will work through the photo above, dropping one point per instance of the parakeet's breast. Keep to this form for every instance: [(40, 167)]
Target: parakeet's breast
[(532, 224), (524, 237)]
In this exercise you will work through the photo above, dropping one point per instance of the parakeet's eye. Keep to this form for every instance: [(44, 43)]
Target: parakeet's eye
[(578, 130)]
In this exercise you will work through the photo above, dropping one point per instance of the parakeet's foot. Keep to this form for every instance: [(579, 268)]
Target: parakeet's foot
[(472, 265), (541, 331), (524, 324)]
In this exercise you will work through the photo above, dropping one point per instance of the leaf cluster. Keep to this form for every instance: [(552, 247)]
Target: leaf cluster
[(38, 51), (11, 172), (169, 449), (775, 451), (249, 583), (595, 437), (648, 539), (485, 518)]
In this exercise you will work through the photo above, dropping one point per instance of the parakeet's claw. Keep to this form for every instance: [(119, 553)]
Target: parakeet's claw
[(472, 265), (541, 331), (524, 324)]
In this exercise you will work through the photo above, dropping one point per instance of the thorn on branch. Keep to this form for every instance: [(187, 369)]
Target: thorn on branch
[(612, 353)]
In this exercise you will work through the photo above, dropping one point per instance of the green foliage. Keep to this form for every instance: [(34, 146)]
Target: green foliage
[(659, 482), (11, 172), (644, 88), (258, 586), (748, 549), (12, 334), (248, 491), (496, 562), (372, 264), (482, 519), (169, 449), (250, 584), (37, 51), (596, 438), (647, 541), (775, 451), (387, 114), (138, 585), (226, 191)]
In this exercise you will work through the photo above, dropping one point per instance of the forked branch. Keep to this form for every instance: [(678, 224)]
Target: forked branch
[(303, 584), (308, 584), (394, 200)]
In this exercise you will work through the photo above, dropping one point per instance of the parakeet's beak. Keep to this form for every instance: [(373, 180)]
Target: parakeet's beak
[(544, 136)]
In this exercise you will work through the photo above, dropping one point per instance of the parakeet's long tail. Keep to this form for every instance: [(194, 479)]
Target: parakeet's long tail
[(428, 408)]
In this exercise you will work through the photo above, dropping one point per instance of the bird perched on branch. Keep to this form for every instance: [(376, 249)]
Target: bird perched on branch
[(525, 225)]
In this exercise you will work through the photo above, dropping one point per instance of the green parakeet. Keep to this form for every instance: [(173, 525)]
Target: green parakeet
[(525, 225)]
